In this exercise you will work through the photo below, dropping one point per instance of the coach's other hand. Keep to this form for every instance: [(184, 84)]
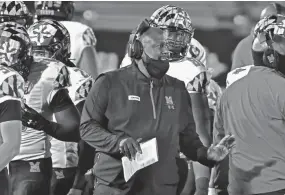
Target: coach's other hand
[(221, 150)]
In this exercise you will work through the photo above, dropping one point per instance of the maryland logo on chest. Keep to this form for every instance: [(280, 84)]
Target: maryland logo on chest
[(169, 102)]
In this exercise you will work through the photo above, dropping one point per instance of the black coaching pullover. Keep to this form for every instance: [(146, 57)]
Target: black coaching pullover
[(125, 103)]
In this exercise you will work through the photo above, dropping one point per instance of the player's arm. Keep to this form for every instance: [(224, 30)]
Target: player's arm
[(190, 143), (200, 107), (201, 113), (68, 119), (10, 127)]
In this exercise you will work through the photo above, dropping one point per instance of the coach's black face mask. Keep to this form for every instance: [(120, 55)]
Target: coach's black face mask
[(155, 68)]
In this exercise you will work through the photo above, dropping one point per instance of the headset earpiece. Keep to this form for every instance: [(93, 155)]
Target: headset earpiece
[(135, 47), (271, 58)]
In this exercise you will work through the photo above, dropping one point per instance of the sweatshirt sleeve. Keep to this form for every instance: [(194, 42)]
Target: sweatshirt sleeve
[(93, 128), (190, 143)]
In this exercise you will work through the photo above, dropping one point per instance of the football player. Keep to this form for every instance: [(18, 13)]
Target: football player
[(187, 63), (46, 96), (64, 154), (83, 40), (15, 11), (15, 55)]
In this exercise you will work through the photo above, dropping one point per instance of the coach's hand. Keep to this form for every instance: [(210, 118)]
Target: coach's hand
[(221, 150), (129, 147), (32, 119)]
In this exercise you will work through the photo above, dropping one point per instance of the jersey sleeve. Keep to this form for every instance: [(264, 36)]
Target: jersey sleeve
[(10, 110), (62, 78), (81, 84), (201, 79), (83, 90), (61, 81), (214, 92)]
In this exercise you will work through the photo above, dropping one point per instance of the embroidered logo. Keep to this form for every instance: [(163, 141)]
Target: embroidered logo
[(59, 174), (169, 102), (134, 98), (35, 167)]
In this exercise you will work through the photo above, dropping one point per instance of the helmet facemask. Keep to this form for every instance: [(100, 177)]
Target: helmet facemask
[(177, 41)]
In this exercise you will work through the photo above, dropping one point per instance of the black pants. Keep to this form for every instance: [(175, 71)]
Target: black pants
[(4, 182), (62, 180), (30, 177), (183, 173)]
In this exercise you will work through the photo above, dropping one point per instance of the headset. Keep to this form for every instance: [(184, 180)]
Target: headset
[(135, 47), (270, 56)]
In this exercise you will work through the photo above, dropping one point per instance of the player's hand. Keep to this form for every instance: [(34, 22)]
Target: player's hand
[(73, 191), (129, 147), (221, 150), (32, 119)]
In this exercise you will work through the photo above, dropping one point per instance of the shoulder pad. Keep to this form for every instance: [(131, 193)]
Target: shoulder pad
[(83, 89), (186, 70), (81, 84), (62, 79), (58, 71), (237, 74), (11, 84)]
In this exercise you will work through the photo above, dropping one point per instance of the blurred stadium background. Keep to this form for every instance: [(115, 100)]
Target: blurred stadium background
[(220, 25)]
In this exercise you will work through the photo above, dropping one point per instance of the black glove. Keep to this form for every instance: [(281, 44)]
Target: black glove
[(32, 119), (129, 147)]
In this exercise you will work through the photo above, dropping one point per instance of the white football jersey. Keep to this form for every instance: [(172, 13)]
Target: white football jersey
[(237, 74), (45, 79), (81, 36), (65, 154)]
